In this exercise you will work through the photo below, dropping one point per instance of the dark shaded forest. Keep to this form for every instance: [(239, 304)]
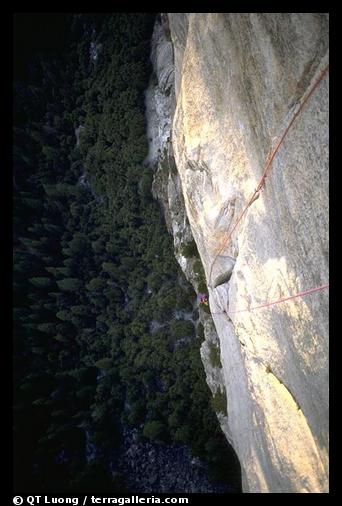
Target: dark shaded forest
[(97, 344)]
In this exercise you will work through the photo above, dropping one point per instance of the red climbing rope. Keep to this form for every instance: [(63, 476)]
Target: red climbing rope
[(268, 164), (266, 304), (283, 299)]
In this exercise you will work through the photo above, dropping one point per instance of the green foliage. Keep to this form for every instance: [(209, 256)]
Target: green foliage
[(136, 414), (214, 355), (219, 402), (70, 284), (110, 268), (200, 331), (145, 184), (181, 328), (104, 363), (200, 276), (206, 308), (154, 430), (96, 284), (40, 282), (189, 250), (183, 434), (47, 328), (64, 315)]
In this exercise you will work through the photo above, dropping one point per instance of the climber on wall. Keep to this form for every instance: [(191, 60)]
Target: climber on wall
[(203, 299)]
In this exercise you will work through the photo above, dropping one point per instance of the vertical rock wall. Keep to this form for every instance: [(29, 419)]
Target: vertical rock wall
[(233, 84)]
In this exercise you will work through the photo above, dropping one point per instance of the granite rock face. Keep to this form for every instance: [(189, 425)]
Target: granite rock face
[(235, 80)]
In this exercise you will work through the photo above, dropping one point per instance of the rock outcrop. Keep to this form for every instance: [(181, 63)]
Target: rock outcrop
[(226, 87)]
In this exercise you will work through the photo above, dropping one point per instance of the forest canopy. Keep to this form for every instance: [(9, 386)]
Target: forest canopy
[(96, 285)]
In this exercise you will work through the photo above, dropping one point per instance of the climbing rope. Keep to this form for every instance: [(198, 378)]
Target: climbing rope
[(283, 299), (268, 164)]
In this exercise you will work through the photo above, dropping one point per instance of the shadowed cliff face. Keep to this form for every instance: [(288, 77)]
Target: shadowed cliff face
[(236, 80)]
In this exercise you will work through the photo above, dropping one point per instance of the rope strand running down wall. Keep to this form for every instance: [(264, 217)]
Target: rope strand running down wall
[(268, 165), (278, 301)]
